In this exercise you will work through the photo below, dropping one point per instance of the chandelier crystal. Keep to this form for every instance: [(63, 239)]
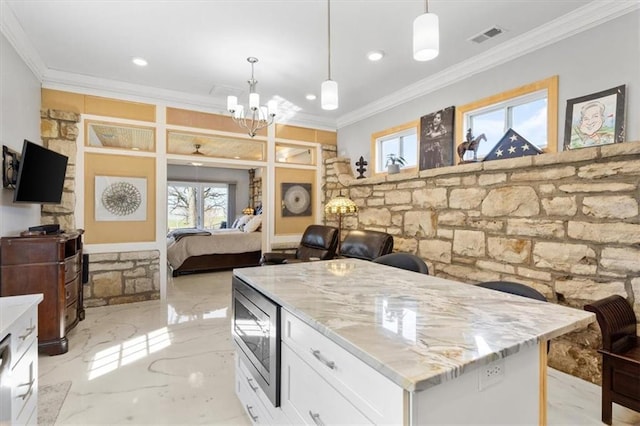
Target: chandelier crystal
[(255, 117)]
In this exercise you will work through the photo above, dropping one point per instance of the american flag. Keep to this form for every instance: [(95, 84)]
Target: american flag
[(512, 145)]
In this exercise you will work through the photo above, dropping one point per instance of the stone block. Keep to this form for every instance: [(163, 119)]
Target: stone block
[(374, 202), (360, 192), (616, 232), (485, 225), (586, 290), (69, 131), (535, 228), (621, 259), (511, 250), (420, 223), (560, 206), (573, 156), (430, 198), (64, 147), (412, 184), (435, 250), (115, 266), (397, 219), (612, 168), (597, 187), (547, 188), (103, 257), (533, 274), (468, 243), (468, 273), (617, 149), (140, 255), (135, 273), (508, 164), (496, 266), (466, 198), (610, 207), (469, 180), (574, 258), (405, 245), (64, 115), (511, 201), (449, 181), (543, 175), (444, 233), (567, 355), (374, 216), (49, 128), (398, 197), (107, 284), (455, 218), (492, 179)]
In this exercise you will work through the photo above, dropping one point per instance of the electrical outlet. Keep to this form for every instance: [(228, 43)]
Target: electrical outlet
[(491, 374)]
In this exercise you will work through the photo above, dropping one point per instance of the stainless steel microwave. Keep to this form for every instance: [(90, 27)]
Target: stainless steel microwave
[(256, 333)]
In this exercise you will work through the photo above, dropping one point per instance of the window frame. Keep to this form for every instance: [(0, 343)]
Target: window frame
[(548, 85), (199, 185), (378, 137)]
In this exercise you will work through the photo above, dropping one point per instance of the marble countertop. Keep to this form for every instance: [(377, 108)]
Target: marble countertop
[(12, 308), (417, 330)]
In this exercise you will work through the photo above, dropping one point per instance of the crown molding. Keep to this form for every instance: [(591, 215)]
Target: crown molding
[(88, 85), (14, 33), (586, 17)]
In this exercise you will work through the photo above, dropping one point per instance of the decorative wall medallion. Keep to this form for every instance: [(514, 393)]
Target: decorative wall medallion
[(296, 199), (120, 198)]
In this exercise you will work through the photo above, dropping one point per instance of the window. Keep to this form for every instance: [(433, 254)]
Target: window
[(530, 110), (400, 140), (197, 205)]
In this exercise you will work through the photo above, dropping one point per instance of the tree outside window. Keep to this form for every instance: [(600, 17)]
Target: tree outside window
[(197, 205)]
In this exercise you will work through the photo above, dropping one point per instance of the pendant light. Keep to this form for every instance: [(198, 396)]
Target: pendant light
[(329, 88), (426, 35)]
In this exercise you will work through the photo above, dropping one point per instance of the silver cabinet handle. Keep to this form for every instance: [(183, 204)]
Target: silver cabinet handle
[(316, 418), (253, 416), (322, 359), (29, 391), (30, 331), (253, 388)]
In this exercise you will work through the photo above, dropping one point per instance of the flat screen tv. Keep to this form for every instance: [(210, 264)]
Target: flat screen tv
[(40, 175)]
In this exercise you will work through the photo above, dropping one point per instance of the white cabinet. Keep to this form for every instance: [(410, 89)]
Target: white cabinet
[(323, 383), (19, 380)]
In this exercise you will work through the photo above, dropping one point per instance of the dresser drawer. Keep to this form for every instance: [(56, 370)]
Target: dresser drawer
[(70, 316), (24, 391), (71, 292), (372, 393), (72, 265), (308, 399), (23, 334), (255, 409)]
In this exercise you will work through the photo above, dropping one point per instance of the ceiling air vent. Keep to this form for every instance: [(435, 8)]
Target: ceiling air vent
[(487, 34)]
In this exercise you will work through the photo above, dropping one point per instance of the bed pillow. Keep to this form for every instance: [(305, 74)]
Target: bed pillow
[(243, 221), (253, 224)]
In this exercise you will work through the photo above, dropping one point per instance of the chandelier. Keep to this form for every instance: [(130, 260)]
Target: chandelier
[(256, 117)]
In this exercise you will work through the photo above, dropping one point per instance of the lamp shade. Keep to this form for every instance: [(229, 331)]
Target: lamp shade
[(340, 205), (426, 37), (329, 95)]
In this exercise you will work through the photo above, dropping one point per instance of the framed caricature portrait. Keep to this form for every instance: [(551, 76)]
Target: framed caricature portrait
[(436, 139), (596, 119)]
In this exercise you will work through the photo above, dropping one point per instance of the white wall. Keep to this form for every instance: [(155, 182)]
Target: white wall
[(19, 120), (215, 174), (597, 59)]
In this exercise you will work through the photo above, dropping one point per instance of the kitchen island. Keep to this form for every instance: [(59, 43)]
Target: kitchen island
[(368, 343)]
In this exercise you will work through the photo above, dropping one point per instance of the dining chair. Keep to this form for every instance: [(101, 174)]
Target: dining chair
[(407, 261)]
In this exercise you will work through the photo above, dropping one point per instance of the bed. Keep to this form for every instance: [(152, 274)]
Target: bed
[(190, 251)]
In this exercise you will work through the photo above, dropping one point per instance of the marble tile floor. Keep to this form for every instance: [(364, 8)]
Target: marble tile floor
[(172, 363)]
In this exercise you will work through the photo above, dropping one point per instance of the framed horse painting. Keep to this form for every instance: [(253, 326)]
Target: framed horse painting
[(436, 139)]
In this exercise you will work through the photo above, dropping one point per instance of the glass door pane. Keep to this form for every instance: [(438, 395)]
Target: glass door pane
[(182, 206), (216, 204)]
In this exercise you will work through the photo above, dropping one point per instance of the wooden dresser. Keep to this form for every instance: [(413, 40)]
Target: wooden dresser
[(51, 265)]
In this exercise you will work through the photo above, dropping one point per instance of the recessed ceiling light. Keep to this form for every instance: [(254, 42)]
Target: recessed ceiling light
[(196, 164), (141, 62), (311, 97), (375, 55)]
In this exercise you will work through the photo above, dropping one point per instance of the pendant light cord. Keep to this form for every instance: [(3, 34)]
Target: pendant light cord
[(426, 6), (329, 36)]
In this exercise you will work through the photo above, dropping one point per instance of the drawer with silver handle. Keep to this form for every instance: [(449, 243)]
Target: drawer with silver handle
[(371, 392), (25, 332)]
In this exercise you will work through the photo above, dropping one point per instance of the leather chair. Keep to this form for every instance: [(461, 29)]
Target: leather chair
[(318, 241), (620, 354), (366, 245), (407, 261)]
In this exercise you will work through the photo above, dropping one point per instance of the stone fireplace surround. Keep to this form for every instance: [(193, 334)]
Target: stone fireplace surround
[(566, 224)]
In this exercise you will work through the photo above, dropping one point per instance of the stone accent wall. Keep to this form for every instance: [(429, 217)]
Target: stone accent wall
[(124, 277), (114, 277), (566, 224), (59, 131)]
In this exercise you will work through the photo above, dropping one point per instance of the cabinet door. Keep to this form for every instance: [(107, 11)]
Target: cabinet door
[(308, 399)]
